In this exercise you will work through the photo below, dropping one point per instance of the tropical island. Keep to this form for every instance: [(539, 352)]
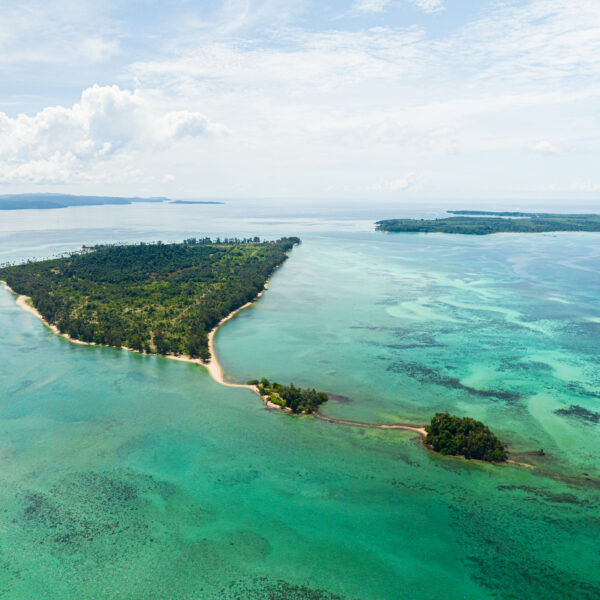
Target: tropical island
[(48, 201), (154, 298), (295, 399), (472, 222), (169, 299), (466, 437)]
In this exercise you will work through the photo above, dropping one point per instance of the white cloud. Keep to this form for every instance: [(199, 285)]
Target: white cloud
[(397, 184), (311, 107), (371, 6), (429, 6), (182, 123), (543, 41), (369, 99), (97, 49), (58, 143), (544, 147), (585, 186), (61, 31)]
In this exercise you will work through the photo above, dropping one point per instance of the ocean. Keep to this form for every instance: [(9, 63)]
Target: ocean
[(128, 476)]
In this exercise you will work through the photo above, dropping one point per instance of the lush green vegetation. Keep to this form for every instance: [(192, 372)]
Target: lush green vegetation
[(157, 297), (48, 201), (493, 222), (463, 436), (505, 213), (289, 396)]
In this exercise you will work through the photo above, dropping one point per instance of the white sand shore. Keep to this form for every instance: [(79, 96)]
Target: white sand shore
[(212, 366), (24, 302), (216, 371)]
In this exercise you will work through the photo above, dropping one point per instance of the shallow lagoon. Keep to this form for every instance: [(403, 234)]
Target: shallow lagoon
[(126, 476)]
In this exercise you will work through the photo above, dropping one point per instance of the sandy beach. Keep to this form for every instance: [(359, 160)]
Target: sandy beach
[(216, 371), (212, 365), (24, 302)]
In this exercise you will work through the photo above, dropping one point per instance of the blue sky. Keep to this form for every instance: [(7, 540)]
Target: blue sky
[(384, 99)]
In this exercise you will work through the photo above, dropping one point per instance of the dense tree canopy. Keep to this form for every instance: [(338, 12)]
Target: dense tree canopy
[(157, 297), (491, 222), (465, 436), (297, 399)]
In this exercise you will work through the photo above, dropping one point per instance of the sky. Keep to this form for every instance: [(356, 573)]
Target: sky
[(366, 99)]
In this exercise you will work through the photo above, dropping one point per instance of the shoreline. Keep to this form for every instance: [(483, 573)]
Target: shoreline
[(215, 370), (213, 366)]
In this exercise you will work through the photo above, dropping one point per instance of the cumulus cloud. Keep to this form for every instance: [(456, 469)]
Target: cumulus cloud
[(397, 184), (59, 143), (182, 123), (585, 186), (429, 6), (544, 147), (513, 79), (371, 6)]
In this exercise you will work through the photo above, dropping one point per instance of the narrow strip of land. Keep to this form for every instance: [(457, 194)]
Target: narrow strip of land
[(420, 430), (213, 366)]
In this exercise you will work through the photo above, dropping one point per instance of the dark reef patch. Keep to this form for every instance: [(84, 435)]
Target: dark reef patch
[(579, 412), (424, 374), (577, 388), (512, 364), (27, 349), (93, 508), (339, 399), (496, 545), (83, 508), (538, 493), (426, 342), (263, 588), (240, 477), (23, 385)]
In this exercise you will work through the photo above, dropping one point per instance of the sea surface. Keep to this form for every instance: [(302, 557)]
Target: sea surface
[(125, 476)]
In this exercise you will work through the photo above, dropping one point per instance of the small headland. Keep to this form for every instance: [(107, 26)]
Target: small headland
[(289, 397)]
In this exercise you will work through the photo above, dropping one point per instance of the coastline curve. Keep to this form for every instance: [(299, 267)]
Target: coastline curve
[(214, 368)]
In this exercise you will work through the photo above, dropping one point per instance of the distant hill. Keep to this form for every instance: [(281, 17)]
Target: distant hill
[(48, 201)]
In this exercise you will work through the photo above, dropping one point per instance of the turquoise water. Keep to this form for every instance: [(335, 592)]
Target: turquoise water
[(126, 476)]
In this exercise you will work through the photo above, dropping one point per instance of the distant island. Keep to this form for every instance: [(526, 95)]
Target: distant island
[(466, 437), (153, 298), (288, 396), (196, 202), (50, 201), (471, 222)]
